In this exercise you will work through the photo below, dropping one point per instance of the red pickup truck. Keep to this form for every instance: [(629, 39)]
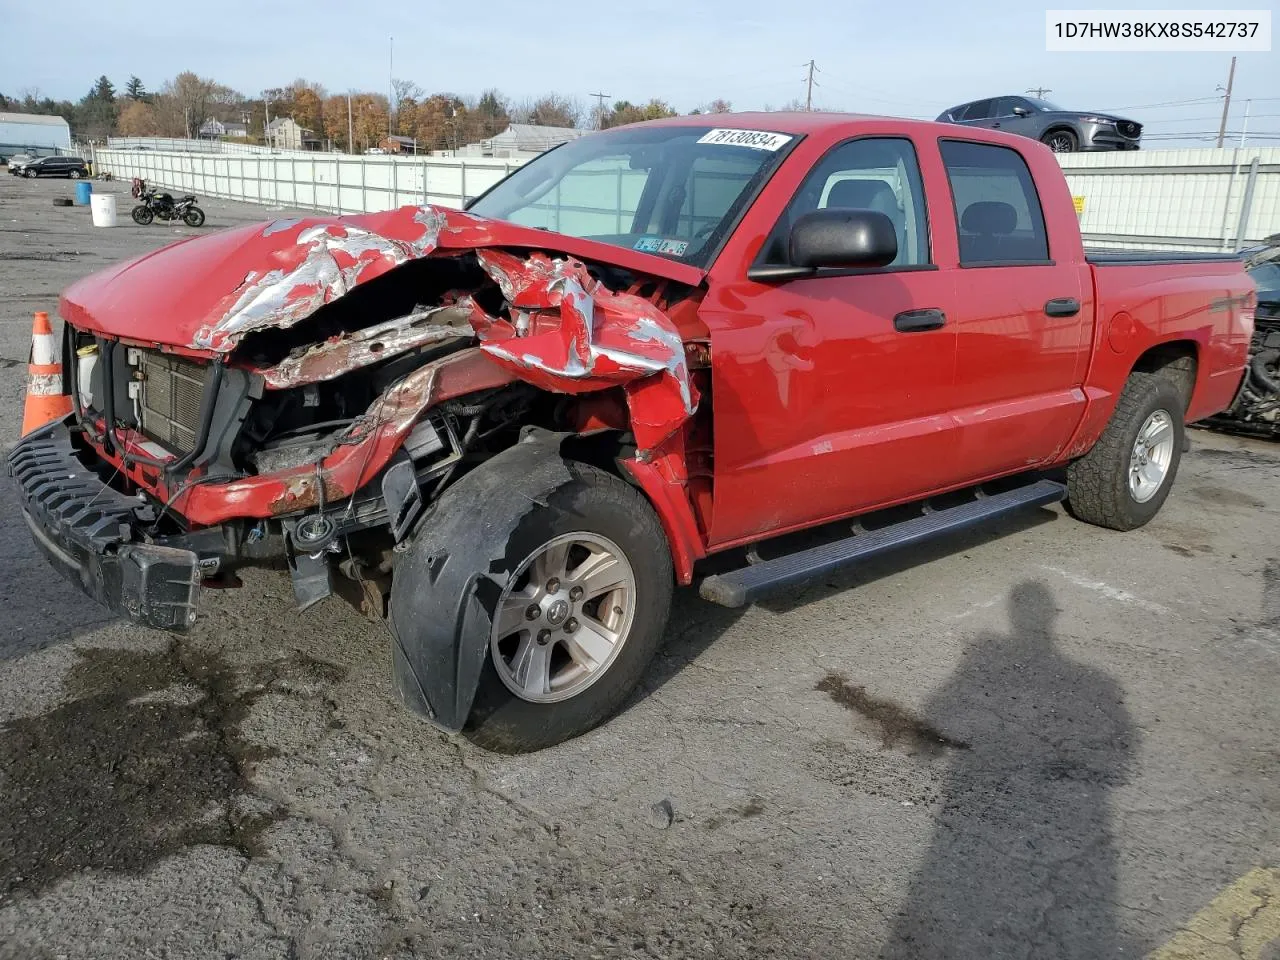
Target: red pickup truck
[(512, 430)]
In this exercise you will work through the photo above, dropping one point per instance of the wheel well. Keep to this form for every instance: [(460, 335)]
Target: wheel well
[(1177, 362), (602, 449), (1059, 128)]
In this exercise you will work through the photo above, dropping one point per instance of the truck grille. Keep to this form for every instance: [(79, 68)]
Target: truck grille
[(171, 400), (1129, 129)]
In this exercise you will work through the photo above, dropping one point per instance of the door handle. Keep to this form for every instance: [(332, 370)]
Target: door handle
[(917, 321), (1062, 307)]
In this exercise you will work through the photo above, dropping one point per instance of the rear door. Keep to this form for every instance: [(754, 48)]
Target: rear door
[(979, 113), (833, 392), (1023, 320)]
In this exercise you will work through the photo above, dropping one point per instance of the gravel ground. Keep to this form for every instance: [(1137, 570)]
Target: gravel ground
[(1043, 740)]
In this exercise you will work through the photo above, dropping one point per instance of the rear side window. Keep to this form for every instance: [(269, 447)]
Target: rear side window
[(978, 110), (997, 208)]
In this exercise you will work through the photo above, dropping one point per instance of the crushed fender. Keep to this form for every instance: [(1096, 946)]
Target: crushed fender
[(602, 339)]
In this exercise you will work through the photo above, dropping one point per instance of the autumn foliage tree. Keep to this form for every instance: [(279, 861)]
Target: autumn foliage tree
[(137, 119), (624, 112)]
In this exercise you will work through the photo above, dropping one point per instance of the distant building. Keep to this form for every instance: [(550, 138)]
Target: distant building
[(216, 129), (284, 133), (518, 140), (33, 133), (399, 144)]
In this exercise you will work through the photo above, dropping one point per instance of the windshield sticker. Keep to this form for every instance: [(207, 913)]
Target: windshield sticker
[(649, 244), (755, 139), (674, 247)]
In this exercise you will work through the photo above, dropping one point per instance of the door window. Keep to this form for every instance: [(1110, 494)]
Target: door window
[(878, 173), (997, 208), (978, 110)]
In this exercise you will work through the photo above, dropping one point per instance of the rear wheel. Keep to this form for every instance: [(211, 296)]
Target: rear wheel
[(75, 174), (1124, 480), (142, 214), (193, 217), (578, 621), (1061, 141)]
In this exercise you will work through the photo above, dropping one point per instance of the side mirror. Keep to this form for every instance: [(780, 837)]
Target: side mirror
[(839, 237), (1021, 112)]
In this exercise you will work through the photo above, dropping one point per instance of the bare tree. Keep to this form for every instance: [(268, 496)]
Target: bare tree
[(551, 110)]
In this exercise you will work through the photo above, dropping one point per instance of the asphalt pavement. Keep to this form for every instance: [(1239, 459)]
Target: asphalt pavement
[(1038, 740)]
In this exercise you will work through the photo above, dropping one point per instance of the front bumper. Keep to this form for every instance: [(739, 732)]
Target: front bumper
[(96, 535), (1105, 136)]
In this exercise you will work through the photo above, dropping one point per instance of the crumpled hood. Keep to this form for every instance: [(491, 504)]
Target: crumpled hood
[(206, 292)]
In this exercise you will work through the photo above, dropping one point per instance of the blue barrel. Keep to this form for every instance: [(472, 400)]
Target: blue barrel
[(84, 190)]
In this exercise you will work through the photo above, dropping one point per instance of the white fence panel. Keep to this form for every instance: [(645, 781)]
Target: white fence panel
[(332, 182), (1169, 199), (1176, 199)]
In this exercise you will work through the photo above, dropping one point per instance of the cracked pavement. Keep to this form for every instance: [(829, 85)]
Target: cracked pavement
[(1040, 739)]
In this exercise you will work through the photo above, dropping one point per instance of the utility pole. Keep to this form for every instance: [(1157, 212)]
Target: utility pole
[(600, 98), (266, 118), (1244, 127), (351, 136), (808, 97), (1226, 102), (1039, 92), (391, 105)]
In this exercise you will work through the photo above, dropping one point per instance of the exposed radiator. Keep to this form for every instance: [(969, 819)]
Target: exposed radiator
[(170, 401)]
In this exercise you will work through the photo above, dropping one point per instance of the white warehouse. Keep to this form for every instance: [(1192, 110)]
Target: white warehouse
[(33, 133)]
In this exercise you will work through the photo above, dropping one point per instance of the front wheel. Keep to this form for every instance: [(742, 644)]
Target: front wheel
[(193, 217), (29, 174), (75, 174), (1124, 480), (142, 215), (1061, 141)]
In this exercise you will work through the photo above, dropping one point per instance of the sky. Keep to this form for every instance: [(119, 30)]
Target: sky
[(904, 59)]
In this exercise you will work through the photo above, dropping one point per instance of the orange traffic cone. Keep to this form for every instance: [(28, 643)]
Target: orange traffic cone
[(45, 400)]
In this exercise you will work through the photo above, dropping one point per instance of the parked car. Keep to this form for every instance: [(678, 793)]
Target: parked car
[(511, 431), (1063, 131), (72, 167), (16, 162)]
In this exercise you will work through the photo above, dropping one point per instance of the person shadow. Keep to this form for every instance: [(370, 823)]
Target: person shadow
[(1023, 861)]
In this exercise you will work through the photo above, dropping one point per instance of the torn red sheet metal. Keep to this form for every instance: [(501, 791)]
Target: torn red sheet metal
[(341, 354), (325, 262), (602, 339)]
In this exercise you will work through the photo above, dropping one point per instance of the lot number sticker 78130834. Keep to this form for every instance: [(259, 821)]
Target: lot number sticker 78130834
[(755, 139)]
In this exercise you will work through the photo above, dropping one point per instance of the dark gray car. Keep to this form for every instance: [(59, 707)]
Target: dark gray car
[(1063, 131), (72, 167)]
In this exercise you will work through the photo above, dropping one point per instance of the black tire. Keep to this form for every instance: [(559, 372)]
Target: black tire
[(75, 174), (193, 217), (1061, 141), (1098, 488), (29, 174), (142, 215), (593, 502), (61, 202)]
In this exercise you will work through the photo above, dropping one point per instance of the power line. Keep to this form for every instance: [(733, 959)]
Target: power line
[(1039, 91)]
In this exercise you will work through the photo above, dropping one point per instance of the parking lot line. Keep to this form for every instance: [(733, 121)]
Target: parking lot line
[(1240, 923)]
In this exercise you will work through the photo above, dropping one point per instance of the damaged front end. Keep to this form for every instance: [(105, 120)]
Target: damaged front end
[(327, 382)]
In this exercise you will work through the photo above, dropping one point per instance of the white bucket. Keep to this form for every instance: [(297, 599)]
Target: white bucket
[(103, 207)]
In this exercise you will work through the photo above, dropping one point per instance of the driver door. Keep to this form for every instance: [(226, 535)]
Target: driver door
[(832, 392)]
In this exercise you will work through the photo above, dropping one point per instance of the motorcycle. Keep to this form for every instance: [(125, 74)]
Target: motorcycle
[(162, 206)]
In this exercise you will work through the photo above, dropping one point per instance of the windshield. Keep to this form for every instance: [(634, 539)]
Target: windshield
[(671, 191), (1044, 106)]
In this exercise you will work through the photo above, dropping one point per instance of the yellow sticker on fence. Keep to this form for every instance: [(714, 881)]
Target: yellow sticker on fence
[(1078, 203)]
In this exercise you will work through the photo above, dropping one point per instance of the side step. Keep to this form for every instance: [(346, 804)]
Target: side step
[(738, 588)]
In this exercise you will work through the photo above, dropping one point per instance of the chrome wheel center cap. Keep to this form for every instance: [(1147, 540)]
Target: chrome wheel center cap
[(558, 613)]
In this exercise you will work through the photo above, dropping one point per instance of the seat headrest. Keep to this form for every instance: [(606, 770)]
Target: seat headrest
[(862, 195), (989, 218)]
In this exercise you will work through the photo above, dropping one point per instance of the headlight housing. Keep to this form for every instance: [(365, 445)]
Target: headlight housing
[(1110, 120)]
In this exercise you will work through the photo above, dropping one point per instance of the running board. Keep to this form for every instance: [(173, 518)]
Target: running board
[(738, 588)]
